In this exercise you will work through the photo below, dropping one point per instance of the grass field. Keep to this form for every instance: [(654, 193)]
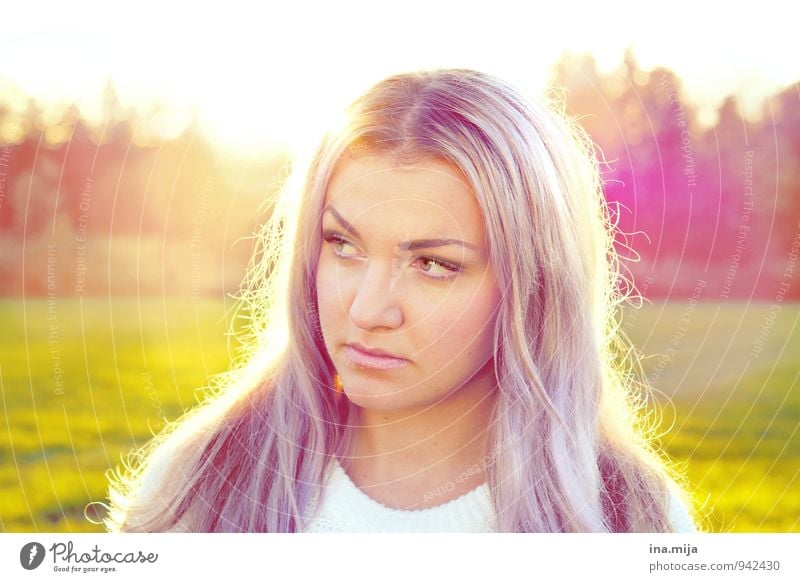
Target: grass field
[(85, 381)]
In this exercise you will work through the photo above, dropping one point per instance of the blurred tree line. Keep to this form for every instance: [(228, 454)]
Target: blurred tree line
[(716, 203), (109, 208), (118, 208)]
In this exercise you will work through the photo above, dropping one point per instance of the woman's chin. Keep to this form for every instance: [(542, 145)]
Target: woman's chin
[(372, 399)]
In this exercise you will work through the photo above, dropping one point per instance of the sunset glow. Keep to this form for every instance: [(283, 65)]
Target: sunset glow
[(266, 78)]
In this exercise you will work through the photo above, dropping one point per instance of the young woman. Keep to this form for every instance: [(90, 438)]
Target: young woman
[(433, 342)]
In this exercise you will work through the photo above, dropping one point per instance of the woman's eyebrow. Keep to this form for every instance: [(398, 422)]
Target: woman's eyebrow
[(405, 245)]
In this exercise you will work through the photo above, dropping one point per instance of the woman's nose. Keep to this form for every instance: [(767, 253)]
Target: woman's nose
[(376, 301)]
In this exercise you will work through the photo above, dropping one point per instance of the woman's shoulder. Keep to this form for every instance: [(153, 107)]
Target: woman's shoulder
[(680, 518), (155, 470), (153, 477)]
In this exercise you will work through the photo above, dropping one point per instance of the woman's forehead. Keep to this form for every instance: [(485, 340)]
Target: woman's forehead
[(380, 176), (428, 197)]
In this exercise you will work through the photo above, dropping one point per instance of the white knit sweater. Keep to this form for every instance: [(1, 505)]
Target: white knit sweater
[(345, 508)]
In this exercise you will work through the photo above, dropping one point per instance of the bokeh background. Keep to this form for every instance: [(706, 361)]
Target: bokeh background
[(141, 145)]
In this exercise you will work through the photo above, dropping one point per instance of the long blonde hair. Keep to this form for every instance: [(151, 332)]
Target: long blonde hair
[(571, 447)]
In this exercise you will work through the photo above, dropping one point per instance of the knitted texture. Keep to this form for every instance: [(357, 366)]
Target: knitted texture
[(345, 508)]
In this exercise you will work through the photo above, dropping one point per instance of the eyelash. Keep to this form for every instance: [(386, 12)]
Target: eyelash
[(333, 238)]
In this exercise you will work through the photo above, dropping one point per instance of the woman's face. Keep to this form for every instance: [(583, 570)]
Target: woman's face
[(403, 268)]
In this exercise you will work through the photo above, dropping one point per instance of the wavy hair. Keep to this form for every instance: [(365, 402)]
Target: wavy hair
[(572, 448)]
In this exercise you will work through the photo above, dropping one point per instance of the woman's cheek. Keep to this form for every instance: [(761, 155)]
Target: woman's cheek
[(469, 332), (452, 333), (329, 282), (327, 293)]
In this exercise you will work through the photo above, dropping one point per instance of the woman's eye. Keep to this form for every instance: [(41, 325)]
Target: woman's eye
[(438, 269), (430, 267), (337, 243)]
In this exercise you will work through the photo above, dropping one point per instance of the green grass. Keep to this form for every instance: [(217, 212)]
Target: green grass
[(731, 419), (730, 413), (126, 367)]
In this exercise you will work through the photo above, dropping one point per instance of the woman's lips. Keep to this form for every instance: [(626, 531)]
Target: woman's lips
[(364, 360)]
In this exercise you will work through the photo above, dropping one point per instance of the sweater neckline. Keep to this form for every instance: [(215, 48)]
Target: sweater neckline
[(472, 498)]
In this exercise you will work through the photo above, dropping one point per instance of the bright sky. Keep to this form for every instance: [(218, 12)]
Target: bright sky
[(281, 71)]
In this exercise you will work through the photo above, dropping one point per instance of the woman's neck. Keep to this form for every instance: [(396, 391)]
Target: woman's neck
[(414, 459)]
